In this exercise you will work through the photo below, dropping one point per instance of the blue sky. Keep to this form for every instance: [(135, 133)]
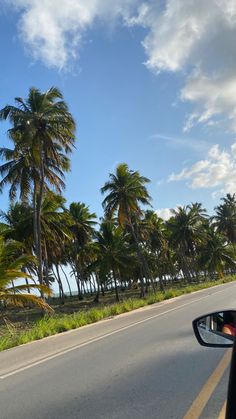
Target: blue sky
[(145, 84)]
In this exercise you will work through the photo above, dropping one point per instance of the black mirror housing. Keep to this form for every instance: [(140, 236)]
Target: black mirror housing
[(217, 329)]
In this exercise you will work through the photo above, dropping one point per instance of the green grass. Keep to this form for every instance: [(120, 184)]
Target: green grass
[(51, 325)]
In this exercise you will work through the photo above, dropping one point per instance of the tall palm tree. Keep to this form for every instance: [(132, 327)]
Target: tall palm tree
[(216, 255), (82, 226), (156, 241), (83, 222), (126, 191), (42, 133), (55, 226), (114, 252), (185, 233), (225, 218)]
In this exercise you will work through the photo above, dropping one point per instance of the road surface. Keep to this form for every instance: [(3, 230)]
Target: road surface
[(144, 364)]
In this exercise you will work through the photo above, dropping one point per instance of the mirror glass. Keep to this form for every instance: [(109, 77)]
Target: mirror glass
[(217, 328)]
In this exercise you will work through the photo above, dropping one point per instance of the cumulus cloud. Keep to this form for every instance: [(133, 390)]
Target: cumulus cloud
[(217, 171), (215, 96), (53, 30), (196, 38)]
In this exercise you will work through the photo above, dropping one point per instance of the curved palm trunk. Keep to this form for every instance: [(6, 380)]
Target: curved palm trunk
[(61, 290), (26, 280), (67, 281)]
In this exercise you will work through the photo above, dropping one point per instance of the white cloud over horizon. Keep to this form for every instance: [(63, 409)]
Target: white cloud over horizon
[(164, 213), (196, 38), (217, 171)]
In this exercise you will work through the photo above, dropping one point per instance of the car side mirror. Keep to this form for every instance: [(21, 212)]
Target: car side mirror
[(216, 330)]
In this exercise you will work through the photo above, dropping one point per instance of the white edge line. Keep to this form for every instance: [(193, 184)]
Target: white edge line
[(81, 345), (158, 304)]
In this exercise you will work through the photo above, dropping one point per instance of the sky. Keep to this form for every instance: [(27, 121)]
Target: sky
[(149, 83)]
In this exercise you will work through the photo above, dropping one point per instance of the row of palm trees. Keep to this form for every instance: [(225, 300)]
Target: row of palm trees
[(129, 247)]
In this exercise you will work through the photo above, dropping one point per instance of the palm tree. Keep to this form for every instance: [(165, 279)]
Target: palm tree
[(225, 218), (19, 169), (12, 264), (56, 234), (156, 240), (216, 255), (82, 226), (125, 191), (114, 252), (42, 133), (83, 222), (185, 233), (54, 226)]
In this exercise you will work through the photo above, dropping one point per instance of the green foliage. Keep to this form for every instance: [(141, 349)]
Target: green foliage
[(12, 262), (50, 325)]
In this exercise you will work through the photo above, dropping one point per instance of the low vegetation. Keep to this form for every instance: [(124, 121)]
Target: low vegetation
[(51, 325)]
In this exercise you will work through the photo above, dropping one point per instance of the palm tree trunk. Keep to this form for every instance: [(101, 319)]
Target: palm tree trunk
[(35, 224), (115, 282), (38, 197), (39, 207), (90, 286), (142, 261), (79, 282), (161, 284), (46, 264), (96, 299), (76, 278), (67, 281), (60, 284)]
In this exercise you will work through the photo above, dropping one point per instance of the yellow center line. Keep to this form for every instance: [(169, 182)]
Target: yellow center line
[(201, 400), (222, 412)]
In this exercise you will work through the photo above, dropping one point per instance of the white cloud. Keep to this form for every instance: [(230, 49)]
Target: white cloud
[(194, 37), (53, 29), (164, 213), (215, 96), (198, 39), (217, 171)]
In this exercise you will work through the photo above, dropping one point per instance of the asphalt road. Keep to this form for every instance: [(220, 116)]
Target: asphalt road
[(144, 364)]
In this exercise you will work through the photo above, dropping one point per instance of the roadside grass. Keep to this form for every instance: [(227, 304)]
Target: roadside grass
[(58, 323)]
